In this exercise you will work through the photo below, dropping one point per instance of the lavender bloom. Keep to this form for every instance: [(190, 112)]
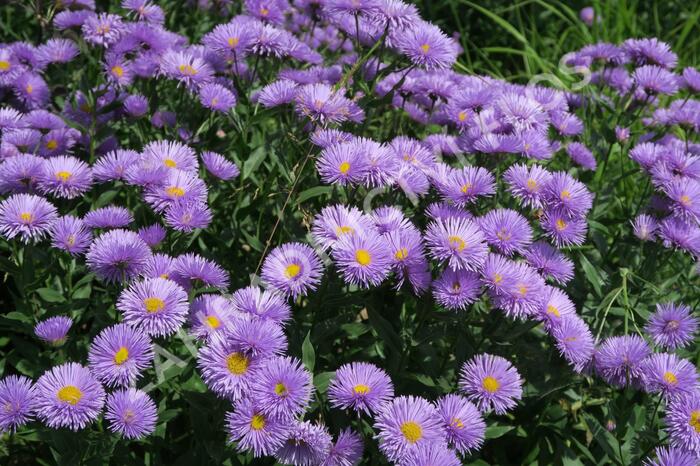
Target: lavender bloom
[(650, 51), (347, 450), (219, 166), (457, 289), (644, 227), (192, 269), (187, 217), (57, 51), (68, 396), (565, 193), (339, 221), (179, 187), (261, 304), (588, 16), (293, 269), (464, 186), (360, 386), (491, 382), (405, 424), (183, 66), (118, 256), (18, 399), (549, 262), (672, 325), (32, 90), (172, 154), (363, 260), (65, 176), (457, 241), (210, 315), (562, 228), (669, 375), (156, 306), (131, 413), (683, 421), (119, 354), (506, 230), (152, 235), (306, 444), (574, 341), (26, 215), (426, 46), (280, 92), (581, 155), (462, 421), (431, 453), (343, 164), (527, 184), (283, 387), (654, 80), (136, 105), (20, 173), (253, 430), (108, 217), (556, 307), (113, 165), (54, 330), (322, 105), (618, 360), (671, 456), (103, 29), (216, 97)]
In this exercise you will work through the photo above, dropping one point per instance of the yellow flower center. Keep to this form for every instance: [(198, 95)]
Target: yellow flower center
[(233, 42), (264, 11), (695, 420), (29, 88), (4, 65), (490, 384), (237, 363), (670, 377), (360, 389), (121, 356), (497, 278), (456, 422), (175, 191), (170, 163), (281, 389), (462, 116), (456, 287), (466, 187), (522, 289), (456, 243), (560, 224), (213, 322), (553, 310), (292, 270), (52, 144), (26, 217), (425, 48), (129, 416), (257, 422), (344, 168), (503, 235), (117, 71), (70, 394), (566, 195), (531, 184), (401, 254), (63, 176), (341, 230), (411, 431), (187, 70), (685, 200), (363, 257), (154, 305)]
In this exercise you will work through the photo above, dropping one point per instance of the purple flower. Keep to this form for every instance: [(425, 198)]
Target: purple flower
[(431, 453), (691, 77), (562, 228), (188, 216), (113, 165), (179, 187), (581, 155), (57, 51), (555, 308), (192, 269), (255, 337), (363, 260), (465, 185), (491, 382), (322, 104), (231, 40), (462, 421), (457, 241), (343, 164), (405, 424), (219, 166), (650, 51), (672, 325), (506, 230), (549, 262), (118, 256), (20, 173), (135, 105), (339, 221), (172, 154), (306, 444), (618, 360), (644, 227), (668, 374), (655, 80), (32, 90), (261, 304), (29, 216), (65, 176), (108, 217), (156, 306), (68, 396), (18, 399), (280, 92), (570, 195), (408, 257), (683, 422), (527, 184), (103, 29), (282, 387), (293, 269), (211, 314), (70, 234), (131, 413), (457, 289), (54, 330), (685, 198), (360, 386), (588, 16), (347, 450), (152, 235), (186, 68), (522, 113), (574, 340), (671, 456), (252, 430), (216, 97), (426, 46), (119, 354)]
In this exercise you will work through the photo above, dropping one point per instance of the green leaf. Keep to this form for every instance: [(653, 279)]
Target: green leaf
[(82, 293), (308, 354), (322, 380), (496, 431), (591, 274), (50, 295), (105, 198), (253, 162), (313, 192)]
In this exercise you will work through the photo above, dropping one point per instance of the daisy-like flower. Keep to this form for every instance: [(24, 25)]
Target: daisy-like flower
[(549, 262), (32, 90), (457, 289), (131, 413), (231, 40), (346, 451), (562, 228), (18, 399), (216, 97), (574, 340), (406, 423), (152, 235), (683, 421), (618, 360), (261, 304), (462, 421), (343, 164), (173, 154), (293, 269), (156, 306), (668, 374), (464, 186), (65, 176), (57, 51), (20, 173), (283, 387), (135, 105), (307, 444), (322, 104), (113, 165), (186, 68), (685, 198), (491, 382), (339, 221), (108, 217), (220, 167), (581, 155), (255, 337), (556, 306), (68, 396), (506, 230), (527, 184), (360, 386), (363, 260), (252, 430), (671, 456), (192, 269), (522, 295), (280, 92), (457, 241), (54, 330), (672, 325), (408, 256), (210, 315), (179, 187), (28, 216), (103, 29), (71, 235), (654, 80), (118, 256), (325, 138), (188, 216), (119, 354), (650, 51), (431, 453), (426, 46), (567, 194), (522, 113), (644, 227)]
